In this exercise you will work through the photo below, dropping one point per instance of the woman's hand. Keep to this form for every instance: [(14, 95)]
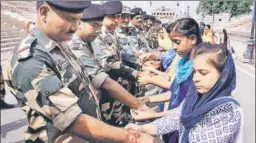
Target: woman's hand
[(144, 57), (155, 64), (144, 79), (144, 99), (143, 115), (148, 68)]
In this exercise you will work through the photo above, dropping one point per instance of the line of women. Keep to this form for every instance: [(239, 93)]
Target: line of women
[(195, 81)]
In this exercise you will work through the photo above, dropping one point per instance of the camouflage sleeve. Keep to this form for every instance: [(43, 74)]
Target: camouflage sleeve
[(105, 55), (98, 47), (45, 93), (96, 72)]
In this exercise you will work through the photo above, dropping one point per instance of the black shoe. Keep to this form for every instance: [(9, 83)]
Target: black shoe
[(4, 105)]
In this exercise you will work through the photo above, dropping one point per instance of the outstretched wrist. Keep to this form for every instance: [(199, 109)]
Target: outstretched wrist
[(131, 135)]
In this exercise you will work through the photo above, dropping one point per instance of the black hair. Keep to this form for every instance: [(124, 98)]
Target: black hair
[(202, 23), (225, 37), (220, 51), (208, 25), (186, 27)]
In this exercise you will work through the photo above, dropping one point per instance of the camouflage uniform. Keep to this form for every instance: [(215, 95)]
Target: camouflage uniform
[(128, 50), (138, 39), (107, 51), (51, 86), (84, 52)]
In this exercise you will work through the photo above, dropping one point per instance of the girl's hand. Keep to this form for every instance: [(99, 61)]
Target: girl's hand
[(144, 57), (142, 115), (144, 79), (144, 99), (155, 64), (148, 68)]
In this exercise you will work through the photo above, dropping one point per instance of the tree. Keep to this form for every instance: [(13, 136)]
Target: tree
[(234, 8), (210, 8)]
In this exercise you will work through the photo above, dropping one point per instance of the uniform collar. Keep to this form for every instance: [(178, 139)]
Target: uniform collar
[(76, 37), (131, 25), (43, 39), (105, 30)]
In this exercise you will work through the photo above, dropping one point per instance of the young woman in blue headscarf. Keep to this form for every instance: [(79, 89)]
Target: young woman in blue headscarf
[(208, 113), (185, 35)]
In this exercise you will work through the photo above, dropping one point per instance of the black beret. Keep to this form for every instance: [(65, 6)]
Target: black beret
[(113, 7), (146, 17), (95, 12), (157, 21), (70, 6), (136, 11)]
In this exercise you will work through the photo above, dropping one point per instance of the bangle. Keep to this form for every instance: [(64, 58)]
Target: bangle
[(131, 135)]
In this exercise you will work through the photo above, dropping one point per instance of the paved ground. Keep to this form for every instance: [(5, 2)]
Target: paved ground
[(13, 121)]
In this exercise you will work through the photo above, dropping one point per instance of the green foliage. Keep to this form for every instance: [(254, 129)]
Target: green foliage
[(235, 8)]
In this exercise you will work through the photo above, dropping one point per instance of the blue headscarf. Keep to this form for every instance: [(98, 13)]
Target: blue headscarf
[(195, 108), (183, 76)]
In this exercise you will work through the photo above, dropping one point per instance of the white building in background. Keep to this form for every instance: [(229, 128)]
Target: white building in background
[(164, 14)]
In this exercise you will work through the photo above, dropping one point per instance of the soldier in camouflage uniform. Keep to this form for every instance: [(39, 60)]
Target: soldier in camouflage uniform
[(138, 39), (80, 45), (151, 32), (3, 104), (108, 52), (124, 35), (51, 85)]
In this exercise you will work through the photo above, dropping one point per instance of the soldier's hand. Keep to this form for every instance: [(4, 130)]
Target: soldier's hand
[(144, 57)]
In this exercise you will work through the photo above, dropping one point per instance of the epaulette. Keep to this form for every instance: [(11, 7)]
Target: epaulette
[(23, 52)]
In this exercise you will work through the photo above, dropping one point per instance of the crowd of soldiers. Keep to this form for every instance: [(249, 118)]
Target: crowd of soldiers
[(78, 66)]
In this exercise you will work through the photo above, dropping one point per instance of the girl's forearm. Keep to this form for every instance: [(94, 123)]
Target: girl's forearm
[(160, 97), (162, 83)]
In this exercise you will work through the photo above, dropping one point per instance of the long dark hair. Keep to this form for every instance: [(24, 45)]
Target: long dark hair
[(186, 27)]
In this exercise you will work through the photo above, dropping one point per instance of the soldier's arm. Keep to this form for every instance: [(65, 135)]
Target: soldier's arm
[(120, 94), (48, 96), (123, 70), (101, 80)]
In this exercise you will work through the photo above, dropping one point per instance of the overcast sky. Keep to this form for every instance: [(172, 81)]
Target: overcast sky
[(145, 5)]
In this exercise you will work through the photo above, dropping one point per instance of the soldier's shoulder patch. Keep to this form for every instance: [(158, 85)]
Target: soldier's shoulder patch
[(24, 49)]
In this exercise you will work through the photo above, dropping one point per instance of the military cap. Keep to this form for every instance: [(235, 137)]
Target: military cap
[(157, 21), (113, 7), (146, 17), (70, 6), (94, 12), (126, 10), (136, 11)]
